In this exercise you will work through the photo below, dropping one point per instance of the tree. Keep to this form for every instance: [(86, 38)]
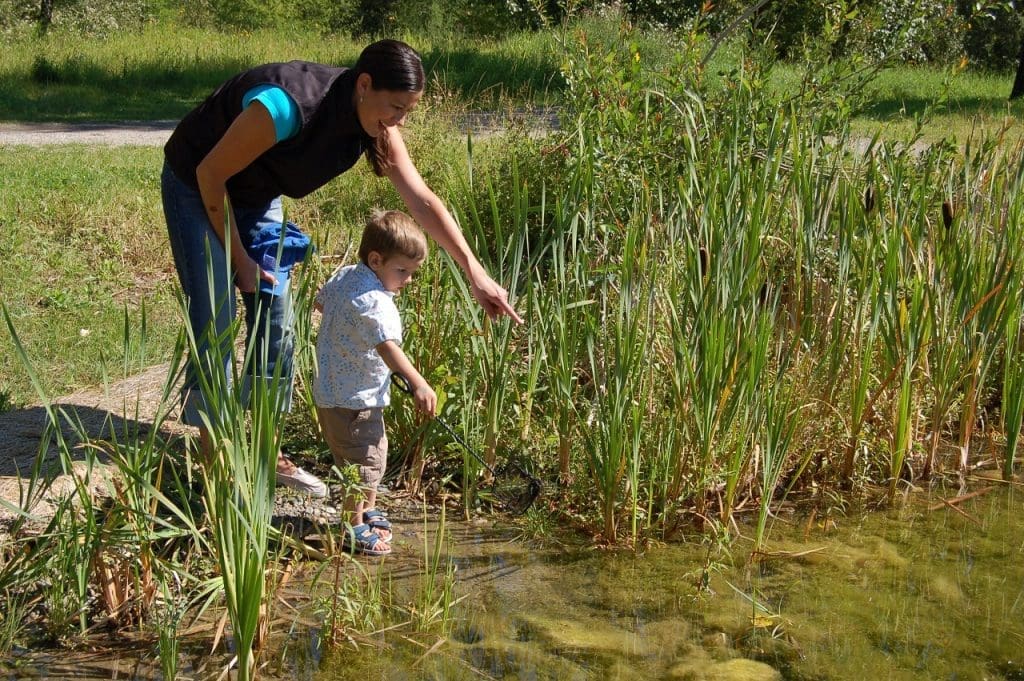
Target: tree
[(1018, 82), (45, 15)]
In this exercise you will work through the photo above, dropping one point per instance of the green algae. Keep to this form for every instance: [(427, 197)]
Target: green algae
[(730, 670), (910, 593), (905, 594)]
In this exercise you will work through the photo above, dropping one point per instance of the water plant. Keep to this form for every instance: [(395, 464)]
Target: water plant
[(561, 295), (1013, 391), (435, 596), (239, 476), (242, 417), (167, 626), (499, 234), (358, 600), (616, 344)]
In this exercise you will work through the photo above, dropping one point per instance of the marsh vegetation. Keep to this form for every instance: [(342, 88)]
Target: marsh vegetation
[(743, 297)]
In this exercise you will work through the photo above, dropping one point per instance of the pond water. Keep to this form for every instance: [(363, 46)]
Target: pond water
[(915, 593)]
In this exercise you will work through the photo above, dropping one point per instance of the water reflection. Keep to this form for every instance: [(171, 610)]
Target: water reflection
[(919, 593)]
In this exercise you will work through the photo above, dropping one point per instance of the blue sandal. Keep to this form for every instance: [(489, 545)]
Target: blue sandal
[(361, 539), (377, 520)]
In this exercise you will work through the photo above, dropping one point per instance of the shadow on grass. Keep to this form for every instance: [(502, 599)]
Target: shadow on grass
[(480, 78), (22, 431), (79, 88), (82, 89), (892, 107)]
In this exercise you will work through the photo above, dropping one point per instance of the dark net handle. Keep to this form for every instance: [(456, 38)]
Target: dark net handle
[(402, 383)]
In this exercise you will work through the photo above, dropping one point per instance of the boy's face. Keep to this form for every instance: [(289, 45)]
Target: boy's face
[(394, 271)]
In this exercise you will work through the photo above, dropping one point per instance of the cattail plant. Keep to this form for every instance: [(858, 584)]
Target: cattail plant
[(776, 425), (851, 355), (716, 291), (562, 312), (617, 343), (904, 329), (239, 474), (951, 292), (991, 251), (1012, 411), (435, 597), (501, 240), (1013, 389)]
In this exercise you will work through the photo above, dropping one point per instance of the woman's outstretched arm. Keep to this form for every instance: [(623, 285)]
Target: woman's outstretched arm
[(433, 215)]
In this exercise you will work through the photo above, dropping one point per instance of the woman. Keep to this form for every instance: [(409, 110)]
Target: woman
[(286, 130)]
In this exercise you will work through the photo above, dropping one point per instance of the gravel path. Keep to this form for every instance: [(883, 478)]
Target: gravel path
[(128, 133), (154, 133)]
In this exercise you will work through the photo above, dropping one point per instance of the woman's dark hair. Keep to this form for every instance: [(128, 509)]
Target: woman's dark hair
[(391, 65)]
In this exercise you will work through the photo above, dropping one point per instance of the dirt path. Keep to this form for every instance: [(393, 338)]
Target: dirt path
[(155, 133), (129, 133), (123, 411), (124, 406)]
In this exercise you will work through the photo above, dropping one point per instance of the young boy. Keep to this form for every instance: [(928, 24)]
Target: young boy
[(357, 349)]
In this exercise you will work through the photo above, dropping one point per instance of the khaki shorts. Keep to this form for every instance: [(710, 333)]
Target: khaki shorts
[(356, 436)]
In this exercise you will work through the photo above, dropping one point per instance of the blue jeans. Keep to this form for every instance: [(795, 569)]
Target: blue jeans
[(208, 285)]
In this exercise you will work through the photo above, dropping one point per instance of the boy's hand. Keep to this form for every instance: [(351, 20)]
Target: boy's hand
[(426, 399)]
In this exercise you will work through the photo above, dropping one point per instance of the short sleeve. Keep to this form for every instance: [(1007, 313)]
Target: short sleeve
[(376, 320), (283, 109)]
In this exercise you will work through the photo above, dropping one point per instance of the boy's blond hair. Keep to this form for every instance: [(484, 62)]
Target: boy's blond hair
[(391, 233)]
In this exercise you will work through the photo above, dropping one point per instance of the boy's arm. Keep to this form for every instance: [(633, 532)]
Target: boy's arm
[(422, 393)]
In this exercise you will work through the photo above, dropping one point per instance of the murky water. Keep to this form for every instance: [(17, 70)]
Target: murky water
[(907, 594)]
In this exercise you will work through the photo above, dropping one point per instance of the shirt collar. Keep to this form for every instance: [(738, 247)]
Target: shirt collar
[(365, 273)]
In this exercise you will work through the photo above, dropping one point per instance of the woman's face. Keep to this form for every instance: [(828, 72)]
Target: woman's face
[(379, 109)]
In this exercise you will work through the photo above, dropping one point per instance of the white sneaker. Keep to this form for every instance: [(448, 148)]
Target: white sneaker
[(303, 481)]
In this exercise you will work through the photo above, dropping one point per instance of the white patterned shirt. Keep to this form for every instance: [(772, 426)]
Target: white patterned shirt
[(358, 315)]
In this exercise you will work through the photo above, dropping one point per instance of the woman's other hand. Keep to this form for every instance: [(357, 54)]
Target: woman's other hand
[(247, 271), (426, 399)]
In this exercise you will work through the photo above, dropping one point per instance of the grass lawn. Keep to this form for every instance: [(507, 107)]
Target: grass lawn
[(85, 233)]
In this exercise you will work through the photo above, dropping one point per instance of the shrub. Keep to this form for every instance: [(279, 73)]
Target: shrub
[(662, 13), (376, 18), (993, 37), (239, 14), (85, 17), (916, 31)]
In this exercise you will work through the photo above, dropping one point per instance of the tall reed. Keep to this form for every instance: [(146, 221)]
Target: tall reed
[(239, 474), (617, 346), (991, 253), (499, 233), (108, 546), (777, 425), (563, 304), (435, 596), (1013, 389)]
